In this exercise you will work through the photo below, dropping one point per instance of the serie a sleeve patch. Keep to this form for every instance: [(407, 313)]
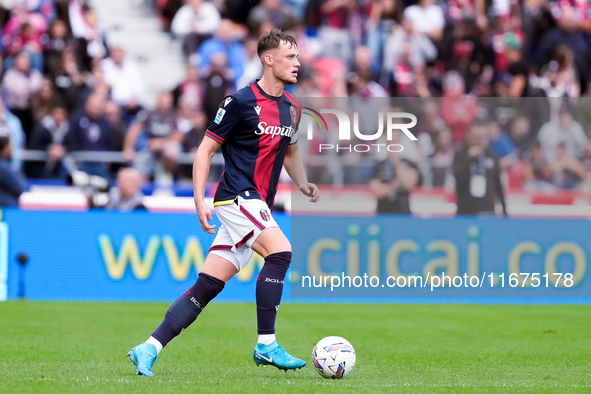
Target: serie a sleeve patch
[(220, 115)]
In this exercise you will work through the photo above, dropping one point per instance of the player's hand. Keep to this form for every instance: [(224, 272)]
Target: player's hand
[(204, 214), (311, 190)]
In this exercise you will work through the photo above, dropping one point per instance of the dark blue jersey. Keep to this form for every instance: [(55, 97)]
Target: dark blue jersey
[(255, 130)]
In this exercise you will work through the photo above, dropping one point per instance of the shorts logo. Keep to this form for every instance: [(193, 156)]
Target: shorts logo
[(265, 215), (219, 116)]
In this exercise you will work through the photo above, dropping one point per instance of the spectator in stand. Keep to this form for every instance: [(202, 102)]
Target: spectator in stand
[(362, 64), (502, 146), (56, 42), (442, 158), (195, 22), (194, 130), (477, 173), (282, 15), (550, 83), (167, 10), (125, 80), (383, 17), (75, 17), (224, 42), (427, 18), (537, 170), (567, 72), (21, 84), (95, 83), (127, 196), (49, 136), (567, 33), (362, 85), (518, 66), (91, 131), (567, 172), (458, 113), (11, 125), (190, 90), (92, 47), (185, 116), (405, 50), (192, 125), (11, 185), (68, 82), (521, 134), (42, 102), (217, 84), (23, 32), (334, 32), (392, 181), (45, 8), (159, 154), (253, 68), (562, 129), (308, 47), (309, 83), (113, 115), (503, 28), (559, 78)]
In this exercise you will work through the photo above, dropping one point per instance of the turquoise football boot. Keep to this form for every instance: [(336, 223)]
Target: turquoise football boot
[(143, 357), (276, 356)]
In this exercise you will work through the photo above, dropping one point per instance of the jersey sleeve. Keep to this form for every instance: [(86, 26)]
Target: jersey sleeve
[(226, 119), (297, 107)]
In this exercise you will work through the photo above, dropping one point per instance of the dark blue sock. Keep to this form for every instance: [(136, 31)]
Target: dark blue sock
[(269, 290), (187, 307)]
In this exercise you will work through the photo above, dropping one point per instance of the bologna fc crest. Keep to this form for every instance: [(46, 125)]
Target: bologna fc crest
[(265, 215), (293, 114)]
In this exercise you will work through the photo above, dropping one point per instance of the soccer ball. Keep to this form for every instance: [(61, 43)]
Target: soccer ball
[(333, 357)]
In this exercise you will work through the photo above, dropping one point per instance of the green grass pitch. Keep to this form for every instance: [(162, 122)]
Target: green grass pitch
[(80, 347)]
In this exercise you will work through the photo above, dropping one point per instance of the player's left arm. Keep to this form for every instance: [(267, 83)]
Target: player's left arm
[(295, 168)]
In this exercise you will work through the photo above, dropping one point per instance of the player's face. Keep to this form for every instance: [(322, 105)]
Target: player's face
[(285, 63)]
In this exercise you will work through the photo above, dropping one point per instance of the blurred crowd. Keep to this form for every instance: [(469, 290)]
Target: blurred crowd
[(65, 89)]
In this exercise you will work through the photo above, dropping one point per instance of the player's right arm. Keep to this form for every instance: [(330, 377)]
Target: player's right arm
[(226, 119), (201, 166)]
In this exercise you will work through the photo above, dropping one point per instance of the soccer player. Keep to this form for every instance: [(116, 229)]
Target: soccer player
[(256, 128)]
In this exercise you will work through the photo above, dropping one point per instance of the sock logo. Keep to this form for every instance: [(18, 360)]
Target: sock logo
[(196, 303), (274, 280)]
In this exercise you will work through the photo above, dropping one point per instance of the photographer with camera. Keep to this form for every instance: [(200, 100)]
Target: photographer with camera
[(477, 173), (391, 182)]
